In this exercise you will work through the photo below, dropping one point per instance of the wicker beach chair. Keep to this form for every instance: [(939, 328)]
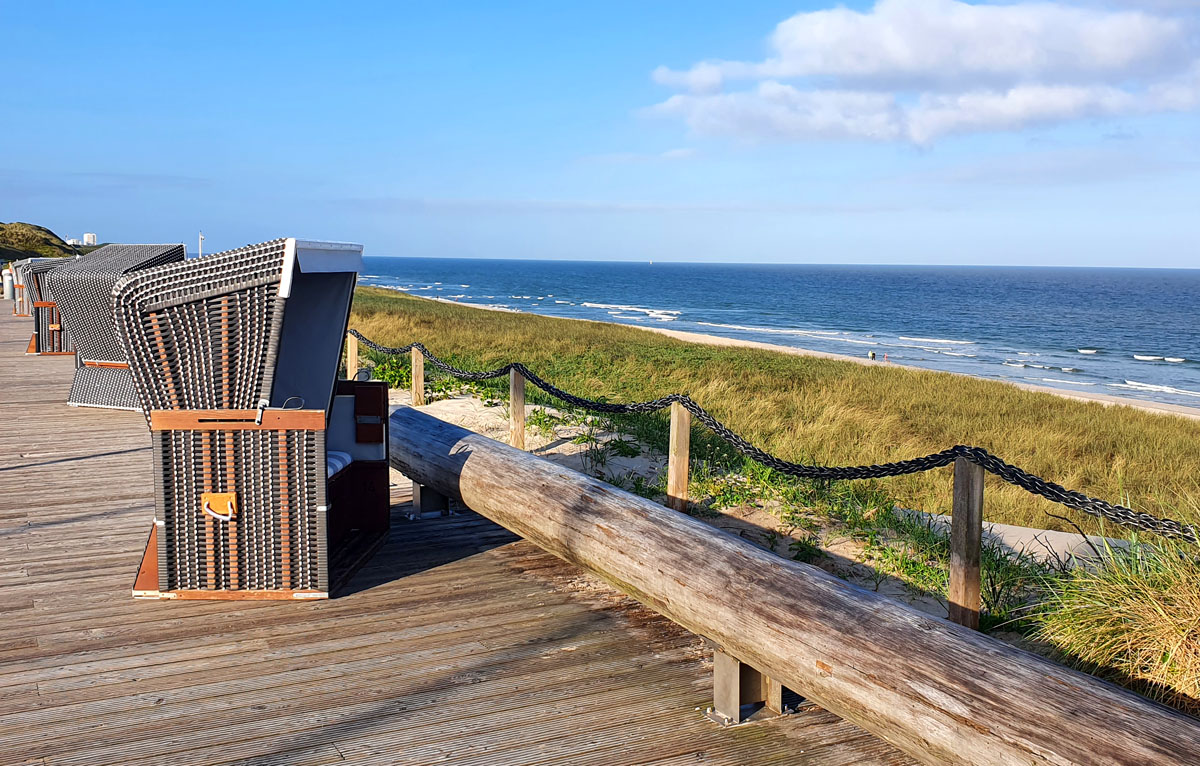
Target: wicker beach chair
[(50, 338), (271, 476), (22, 303), (83, 290)]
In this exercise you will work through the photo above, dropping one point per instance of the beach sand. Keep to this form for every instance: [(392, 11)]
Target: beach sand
[(1105, 399)]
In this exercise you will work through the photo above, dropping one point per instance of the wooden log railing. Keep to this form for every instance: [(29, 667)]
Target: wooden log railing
[(938, 691)]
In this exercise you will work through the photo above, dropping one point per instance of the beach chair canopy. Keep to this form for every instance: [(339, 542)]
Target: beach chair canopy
[(49, 337), (259, 326), (35, 276), (22, 304), (83, 289)]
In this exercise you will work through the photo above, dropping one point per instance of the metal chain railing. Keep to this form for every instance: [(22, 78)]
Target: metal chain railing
[(1118, 514)]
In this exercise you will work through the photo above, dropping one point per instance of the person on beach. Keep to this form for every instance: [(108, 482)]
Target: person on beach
[(871, 355)]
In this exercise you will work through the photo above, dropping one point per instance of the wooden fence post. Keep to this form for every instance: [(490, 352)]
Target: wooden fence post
[(351, 356), (677, 457), (418, 378), (966, 537), (516, 409)]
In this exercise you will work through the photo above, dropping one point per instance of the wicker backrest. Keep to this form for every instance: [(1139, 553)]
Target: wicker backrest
[(238, 329), (35, 276), (22, 304), (83, 290), (49, 335)]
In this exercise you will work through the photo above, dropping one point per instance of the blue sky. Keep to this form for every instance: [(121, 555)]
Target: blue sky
[(912, 131)]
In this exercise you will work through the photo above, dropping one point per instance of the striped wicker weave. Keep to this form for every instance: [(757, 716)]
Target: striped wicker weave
[(204, 333), (49, 335), (83, 288), (22, 305), (204, 338)]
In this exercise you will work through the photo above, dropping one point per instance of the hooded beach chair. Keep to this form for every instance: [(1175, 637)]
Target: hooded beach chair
[(49, 336), (271, 475), (22, 303), (83, 289)]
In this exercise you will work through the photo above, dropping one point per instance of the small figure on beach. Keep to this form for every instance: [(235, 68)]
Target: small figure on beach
[(871, 355), (885, 359)]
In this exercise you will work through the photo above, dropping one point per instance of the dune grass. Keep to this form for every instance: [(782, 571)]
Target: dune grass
[(830, 411), (1134, 620)]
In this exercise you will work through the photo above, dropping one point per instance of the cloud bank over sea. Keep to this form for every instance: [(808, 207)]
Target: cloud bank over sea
[(919, 70)]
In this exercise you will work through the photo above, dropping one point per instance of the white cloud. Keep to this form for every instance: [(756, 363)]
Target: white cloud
[(920, 69)]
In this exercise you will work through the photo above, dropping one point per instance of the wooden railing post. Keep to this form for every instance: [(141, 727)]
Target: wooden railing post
[(351, 356), (516, 409), (966, 537), (418, 378), (677, 457)]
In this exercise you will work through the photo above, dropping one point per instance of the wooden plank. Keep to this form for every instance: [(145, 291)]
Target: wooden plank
[(966, 537), (236, 420), (912, 679)]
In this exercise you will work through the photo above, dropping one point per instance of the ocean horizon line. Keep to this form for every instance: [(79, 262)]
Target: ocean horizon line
[(671, 262)]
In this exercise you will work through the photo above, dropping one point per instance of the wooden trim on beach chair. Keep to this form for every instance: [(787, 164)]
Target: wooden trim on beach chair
[(237, 420), (119, 365), (244, 595), (145, 585)]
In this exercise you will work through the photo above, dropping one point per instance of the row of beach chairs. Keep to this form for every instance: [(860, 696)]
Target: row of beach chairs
[(270, 473)]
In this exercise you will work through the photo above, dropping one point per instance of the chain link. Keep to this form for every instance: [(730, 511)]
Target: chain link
[(1118, 514)]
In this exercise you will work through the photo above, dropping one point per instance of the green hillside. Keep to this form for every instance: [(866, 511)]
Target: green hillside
[(25, 240)]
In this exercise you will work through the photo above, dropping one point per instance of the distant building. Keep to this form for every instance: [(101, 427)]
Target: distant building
[(73, 241), (89, 238)]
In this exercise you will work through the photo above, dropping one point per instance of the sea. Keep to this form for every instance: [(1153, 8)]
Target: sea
[(1124, 332)]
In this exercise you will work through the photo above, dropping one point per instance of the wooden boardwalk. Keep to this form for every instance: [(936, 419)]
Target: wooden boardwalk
[(457, 644)]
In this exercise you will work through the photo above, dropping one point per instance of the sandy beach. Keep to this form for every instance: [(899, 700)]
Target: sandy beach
[(717, 340), (1105, 399)]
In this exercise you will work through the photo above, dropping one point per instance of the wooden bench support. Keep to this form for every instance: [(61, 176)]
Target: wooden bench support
[(741, 692), (427, 500)]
